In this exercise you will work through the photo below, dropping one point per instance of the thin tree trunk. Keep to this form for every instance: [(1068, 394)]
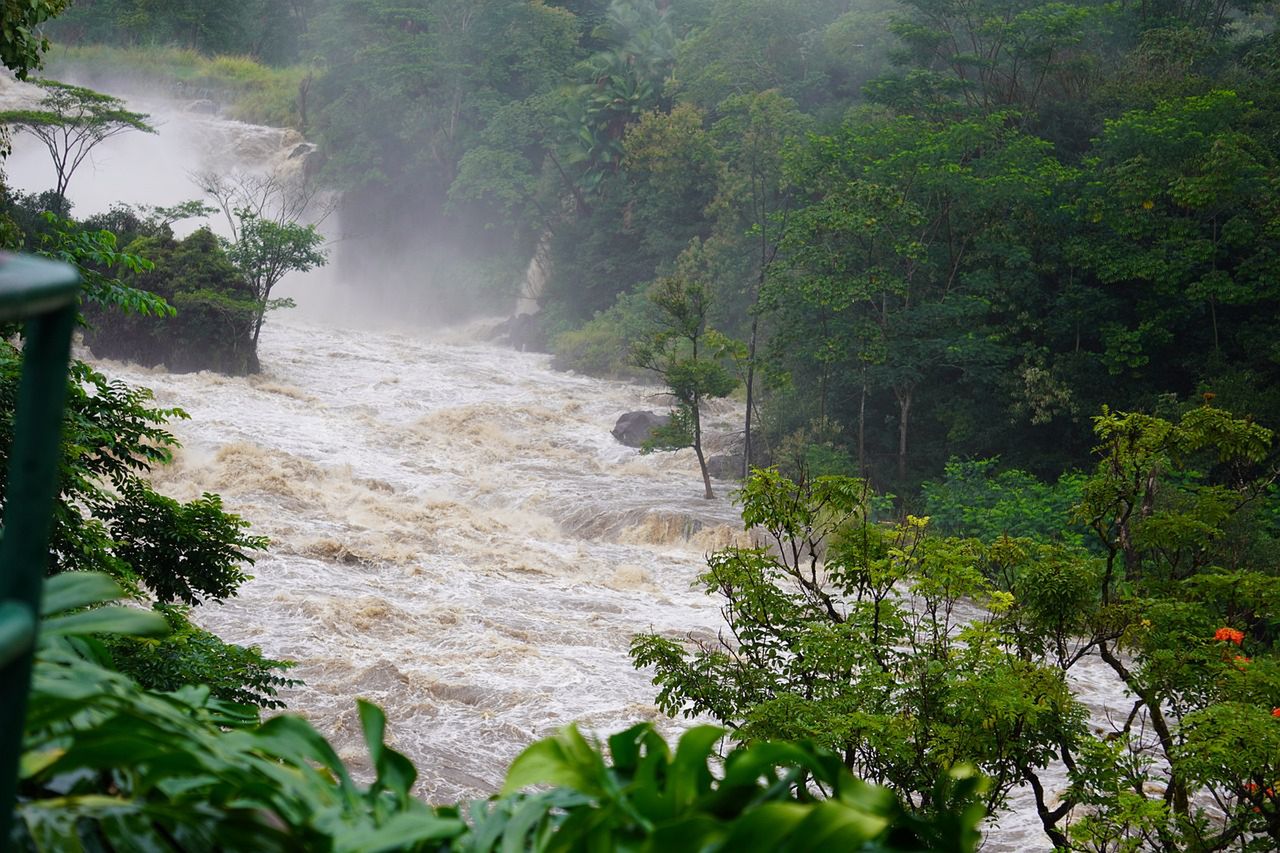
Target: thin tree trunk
[(862, 429), (904, 412), (751, 387), (697, 447)]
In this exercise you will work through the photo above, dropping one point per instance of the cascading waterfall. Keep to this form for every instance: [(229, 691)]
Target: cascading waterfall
[(535, 278), (455, 533)]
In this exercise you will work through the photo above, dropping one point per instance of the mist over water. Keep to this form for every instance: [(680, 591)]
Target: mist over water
[(455, 534)]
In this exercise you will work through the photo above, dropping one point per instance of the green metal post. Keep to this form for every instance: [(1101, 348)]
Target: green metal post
[(45, 293)]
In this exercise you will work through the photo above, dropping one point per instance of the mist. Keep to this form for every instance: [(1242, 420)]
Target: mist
[(366, 284)]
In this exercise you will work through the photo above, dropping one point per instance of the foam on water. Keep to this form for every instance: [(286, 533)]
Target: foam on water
[(456, 535)]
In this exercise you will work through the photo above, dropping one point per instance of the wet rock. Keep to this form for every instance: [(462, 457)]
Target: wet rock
[(725, 466), (526, 334), (634, 428)]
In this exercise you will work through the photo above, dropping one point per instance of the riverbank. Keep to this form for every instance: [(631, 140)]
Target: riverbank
[(237, 87)]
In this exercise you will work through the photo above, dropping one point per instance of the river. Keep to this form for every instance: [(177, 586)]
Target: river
[(455, 533)]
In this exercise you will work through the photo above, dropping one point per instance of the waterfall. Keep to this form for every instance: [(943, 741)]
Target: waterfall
[(535, 278)]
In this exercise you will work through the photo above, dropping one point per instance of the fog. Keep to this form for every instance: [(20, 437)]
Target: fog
[(409, 289)]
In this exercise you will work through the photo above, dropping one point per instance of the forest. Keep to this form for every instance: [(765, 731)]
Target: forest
[(990, 287)]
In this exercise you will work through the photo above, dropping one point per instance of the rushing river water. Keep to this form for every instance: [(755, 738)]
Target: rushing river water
[(455, 533), (457, 536)]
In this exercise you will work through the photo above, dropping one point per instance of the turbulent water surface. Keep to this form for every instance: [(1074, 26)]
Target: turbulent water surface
[(455, 533), (457, 536)]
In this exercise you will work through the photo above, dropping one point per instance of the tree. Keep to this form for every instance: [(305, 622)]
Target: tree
[(216, 310), (849, 632), (71, 121), (21, 43), (753, 204), (685, 353), (265, 251), (907, 231), (267, 241), (1182, 608)]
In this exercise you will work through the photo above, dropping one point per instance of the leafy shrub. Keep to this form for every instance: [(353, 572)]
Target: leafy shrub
[(215, 310), (109, 765), (602, 347), (976, 498)]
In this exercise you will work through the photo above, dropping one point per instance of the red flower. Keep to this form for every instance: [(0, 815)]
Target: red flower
[(1275, 712), (1230, 635), (1241, 660)]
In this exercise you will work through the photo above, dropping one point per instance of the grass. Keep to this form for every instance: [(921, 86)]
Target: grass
[(247, 89)]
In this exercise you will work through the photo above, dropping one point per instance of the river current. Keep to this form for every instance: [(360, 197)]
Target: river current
[(455, 533)]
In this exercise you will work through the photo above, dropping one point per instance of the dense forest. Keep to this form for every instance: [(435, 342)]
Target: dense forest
[(994, 282), (938, 229)]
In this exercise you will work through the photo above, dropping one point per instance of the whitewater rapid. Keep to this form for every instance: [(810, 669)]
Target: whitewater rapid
[(455, 536)]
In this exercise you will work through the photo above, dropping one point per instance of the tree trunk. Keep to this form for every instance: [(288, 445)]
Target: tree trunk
[(257, 324), (862, 429), (751, 385), (904, 413), (697, 448)]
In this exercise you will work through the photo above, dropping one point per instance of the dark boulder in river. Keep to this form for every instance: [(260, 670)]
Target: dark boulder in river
[(725, 466), (634, 428)]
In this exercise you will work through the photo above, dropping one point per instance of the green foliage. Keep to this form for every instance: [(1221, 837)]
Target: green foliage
[(70, 122), (849, 632), (977, 499), (265, 250), (214, 310), (689, 357), (188, 655), (845, 631), (21, 42), (107, 763), (189, 552), (602, 347), (101, 264)]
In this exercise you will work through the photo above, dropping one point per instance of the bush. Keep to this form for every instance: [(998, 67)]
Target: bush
[(108, 765), (977, 499), (602, 346), (213, 328)]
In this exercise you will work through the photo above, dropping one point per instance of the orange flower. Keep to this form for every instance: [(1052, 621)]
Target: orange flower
[(1275, 712), (1241, 660), (1230, 635)]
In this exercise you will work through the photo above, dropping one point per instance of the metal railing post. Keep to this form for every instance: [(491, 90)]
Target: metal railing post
[(43, 293)]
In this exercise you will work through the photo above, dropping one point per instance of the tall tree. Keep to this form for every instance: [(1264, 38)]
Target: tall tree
[(753, 204), (906, 234), (686, 353), (71, 121)]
